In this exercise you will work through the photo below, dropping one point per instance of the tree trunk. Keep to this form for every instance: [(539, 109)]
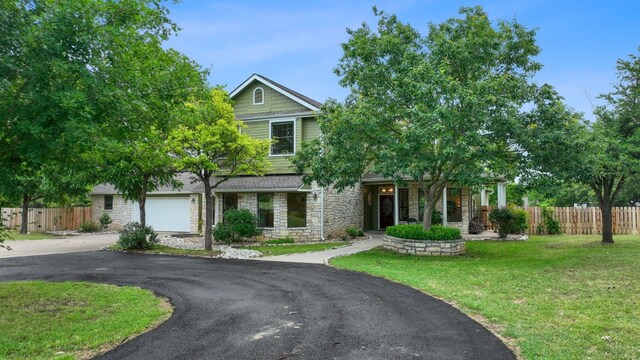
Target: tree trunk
[(432, 192), (142, 201), (607, 220), (24, 223), (208, 216)]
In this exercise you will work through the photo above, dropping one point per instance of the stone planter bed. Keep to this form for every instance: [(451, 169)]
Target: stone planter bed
[(424, 247)]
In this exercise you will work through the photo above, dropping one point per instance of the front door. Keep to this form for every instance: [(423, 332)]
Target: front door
[(386, 211)]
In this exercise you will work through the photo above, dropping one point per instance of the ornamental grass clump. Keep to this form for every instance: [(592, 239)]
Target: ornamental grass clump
[(417, 232)]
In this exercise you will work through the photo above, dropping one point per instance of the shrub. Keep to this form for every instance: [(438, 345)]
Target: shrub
[(550, 223), (286, 240), (105, 220), (89, 227), (353, 232), (417, 232), (509, 221), (134, 236), (436, 217), (223, 233), (238, 226)]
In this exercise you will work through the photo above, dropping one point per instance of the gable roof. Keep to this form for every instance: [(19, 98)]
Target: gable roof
[(293, 95)]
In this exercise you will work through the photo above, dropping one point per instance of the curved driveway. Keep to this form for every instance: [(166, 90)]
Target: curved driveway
[(266, 310)]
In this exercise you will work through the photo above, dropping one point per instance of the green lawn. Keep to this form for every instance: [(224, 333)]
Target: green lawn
[(559, 297), (42, 320), (33, 235), (162, 249), (272, 250)]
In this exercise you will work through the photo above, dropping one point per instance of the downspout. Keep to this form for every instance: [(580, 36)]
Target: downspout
[(322, 214)]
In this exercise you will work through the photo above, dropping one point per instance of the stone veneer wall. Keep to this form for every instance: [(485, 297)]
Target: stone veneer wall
[(342, 210), (413, 207), (120, 214), (424, 247), (309, 233)]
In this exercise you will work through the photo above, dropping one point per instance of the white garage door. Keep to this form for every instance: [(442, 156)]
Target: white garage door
[(165, 213)]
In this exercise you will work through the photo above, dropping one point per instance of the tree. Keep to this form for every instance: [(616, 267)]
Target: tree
[(61, 86), (435, 109), (209, 145), (133, 153), (603, 155)]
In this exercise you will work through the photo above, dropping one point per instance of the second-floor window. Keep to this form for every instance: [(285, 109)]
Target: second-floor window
[(283, 136), (258, 96)]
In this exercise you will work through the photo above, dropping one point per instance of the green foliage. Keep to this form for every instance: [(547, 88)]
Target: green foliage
[(550, 223), (417, 232), (105, 220), (353, 231), (430, 108), (210, 145), (509, 220), (134, 236), (436, 217), (608, 147), (279, 241), (238, 225), (222, 233), (89, 227)]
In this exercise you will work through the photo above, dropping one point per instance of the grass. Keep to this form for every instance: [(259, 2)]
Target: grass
[(163, 249), (33, 235), (559, 297), (294, 248), (42, 320)]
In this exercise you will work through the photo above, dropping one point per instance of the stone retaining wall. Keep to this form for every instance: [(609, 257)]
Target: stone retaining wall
[(424, 247)]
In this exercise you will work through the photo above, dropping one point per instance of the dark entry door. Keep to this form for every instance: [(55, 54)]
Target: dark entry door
[(386, 211)]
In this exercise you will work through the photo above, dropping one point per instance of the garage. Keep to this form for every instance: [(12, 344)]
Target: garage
[(165, 213)]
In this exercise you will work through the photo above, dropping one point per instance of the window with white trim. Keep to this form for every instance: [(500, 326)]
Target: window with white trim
[(283, 136), (258, 96)]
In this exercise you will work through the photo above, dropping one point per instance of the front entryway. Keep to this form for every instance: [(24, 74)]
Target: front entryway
[(386, 211)]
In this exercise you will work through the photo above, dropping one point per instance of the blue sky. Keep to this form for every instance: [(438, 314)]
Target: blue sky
[(297, 43)]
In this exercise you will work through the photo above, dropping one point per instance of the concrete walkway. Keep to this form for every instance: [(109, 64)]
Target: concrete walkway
[(322, 257), (78, 243)]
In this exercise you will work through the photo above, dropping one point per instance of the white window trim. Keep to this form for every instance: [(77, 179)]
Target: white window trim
[(294, 136), (254, 96)]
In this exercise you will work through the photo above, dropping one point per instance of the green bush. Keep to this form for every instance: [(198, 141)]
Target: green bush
[(134, 236), (89, 227), (436, 217), (353, 231), (238, 225), (105, 220), (550, 223), (416, 232), (509, 220), (222, 233), (286, 240)]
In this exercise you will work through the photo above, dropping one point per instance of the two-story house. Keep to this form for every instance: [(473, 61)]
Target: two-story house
[(286, 207)]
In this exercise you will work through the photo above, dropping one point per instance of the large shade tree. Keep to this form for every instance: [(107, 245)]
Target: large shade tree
[(602, 155), (432, 108), (58, 64), (210, 145)]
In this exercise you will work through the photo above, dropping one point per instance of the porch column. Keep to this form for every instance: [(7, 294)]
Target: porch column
[(484, 199), (444, 206), (396, 205), (502, 194), (216, 206)]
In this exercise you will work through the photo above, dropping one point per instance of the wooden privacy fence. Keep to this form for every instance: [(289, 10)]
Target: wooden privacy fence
[(47, 219), (587, 221)]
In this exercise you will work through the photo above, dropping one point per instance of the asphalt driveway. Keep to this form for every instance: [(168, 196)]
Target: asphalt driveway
[(267, 310)]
